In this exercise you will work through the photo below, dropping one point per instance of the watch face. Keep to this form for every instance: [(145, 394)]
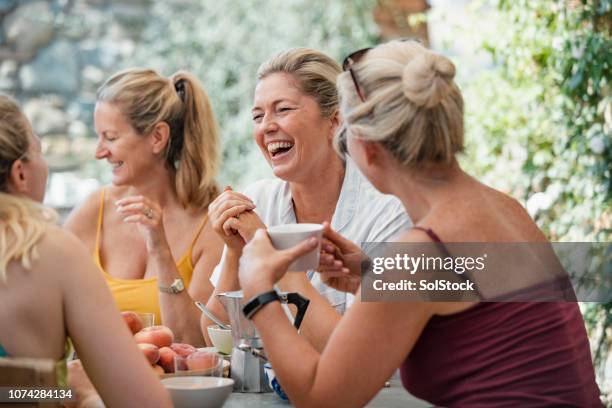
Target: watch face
[(178, 285)]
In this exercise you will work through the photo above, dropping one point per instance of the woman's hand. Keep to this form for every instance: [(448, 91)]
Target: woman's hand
[(245, 224), (261, 265), (340, 261), (230, 205), (148, 217), (81, 385)]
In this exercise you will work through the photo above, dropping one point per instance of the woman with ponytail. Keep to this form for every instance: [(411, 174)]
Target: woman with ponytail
[(44, 274), (149, 232)]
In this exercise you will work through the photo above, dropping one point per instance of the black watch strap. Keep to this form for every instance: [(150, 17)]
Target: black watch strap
[(258, 302)]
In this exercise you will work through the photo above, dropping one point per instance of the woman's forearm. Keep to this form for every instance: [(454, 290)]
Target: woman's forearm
[(180, 314), (228, 278), (294, 359), (178, 310), (321, 318)]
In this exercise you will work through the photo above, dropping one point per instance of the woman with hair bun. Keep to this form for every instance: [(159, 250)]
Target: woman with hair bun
[(404, 127), (149, 232)]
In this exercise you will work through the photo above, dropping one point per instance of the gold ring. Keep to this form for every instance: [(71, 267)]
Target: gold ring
[(148, 213)]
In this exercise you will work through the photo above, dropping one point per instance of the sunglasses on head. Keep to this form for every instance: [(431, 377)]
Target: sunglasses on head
[(356, 56), (347, 65)]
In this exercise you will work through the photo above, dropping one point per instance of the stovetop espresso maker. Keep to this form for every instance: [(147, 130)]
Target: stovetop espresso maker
[(248, 355)]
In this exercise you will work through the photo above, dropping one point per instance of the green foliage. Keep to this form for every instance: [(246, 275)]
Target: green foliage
[(541, 121), (551, 96), (223, 43)]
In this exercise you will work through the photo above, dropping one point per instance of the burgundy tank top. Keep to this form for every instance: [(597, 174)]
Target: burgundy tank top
[(503, 355)]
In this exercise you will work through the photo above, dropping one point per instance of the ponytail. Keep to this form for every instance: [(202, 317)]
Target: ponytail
[(197, 153)]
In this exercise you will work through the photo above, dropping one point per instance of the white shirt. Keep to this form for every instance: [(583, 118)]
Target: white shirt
[(362, 214)]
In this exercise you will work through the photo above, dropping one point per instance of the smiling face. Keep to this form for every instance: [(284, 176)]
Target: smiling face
[(291, 132), (129, 154)]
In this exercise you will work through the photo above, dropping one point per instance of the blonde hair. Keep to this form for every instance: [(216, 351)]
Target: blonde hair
[(412, 105), (22, 221), (146, 98), (314, 71), (14, 140)]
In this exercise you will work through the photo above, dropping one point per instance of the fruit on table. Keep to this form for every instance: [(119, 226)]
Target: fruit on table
[(161, 336), (166, 359), (183, 349), (202, 360), (133, 321), (156, 343), (150, 351)]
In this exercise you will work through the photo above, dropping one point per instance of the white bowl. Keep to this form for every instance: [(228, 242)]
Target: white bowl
[(221, 338), (198, 392)]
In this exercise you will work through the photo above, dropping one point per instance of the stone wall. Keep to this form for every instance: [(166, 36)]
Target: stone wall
[(53, 56)]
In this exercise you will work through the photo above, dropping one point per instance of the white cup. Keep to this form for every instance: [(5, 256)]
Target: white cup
[(289, 235)]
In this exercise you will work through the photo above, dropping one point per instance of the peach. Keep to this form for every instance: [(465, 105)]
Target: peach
[(133, 321), (158, 369), (161, 336), (183, 349), (166, 359), (202, 360), (150, 351)]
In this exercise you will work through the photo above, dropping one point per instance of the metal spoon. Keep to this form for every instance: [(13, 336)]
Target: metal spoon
[(211, 316)]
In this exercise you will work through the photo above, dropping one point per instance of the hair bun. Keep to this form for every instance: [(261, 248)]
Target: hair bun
[(444, 66), (426, 77)]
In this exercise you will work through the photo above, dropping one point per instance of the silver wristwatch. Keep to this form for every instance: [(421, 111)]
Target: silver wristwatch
[(177, 287)]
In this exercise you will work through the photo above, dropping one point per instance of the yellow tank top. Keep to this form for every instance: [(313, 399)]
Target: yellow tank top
[(141, 295)]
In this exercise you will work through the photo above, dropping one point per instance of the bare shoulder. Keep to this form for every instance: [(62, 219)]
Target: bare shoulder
[(512, 216), (482, 214), (83, 220), (61, 253), (61, 245), (505, 201)]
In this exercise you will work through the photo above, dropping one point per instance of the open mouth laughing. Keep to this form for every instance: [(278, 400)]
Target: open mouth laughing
[(116, 165), (279, 148)]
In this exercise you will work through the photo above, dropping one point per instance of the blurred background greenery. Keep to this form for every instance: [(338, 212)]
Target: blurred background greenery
[(535, 75)]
